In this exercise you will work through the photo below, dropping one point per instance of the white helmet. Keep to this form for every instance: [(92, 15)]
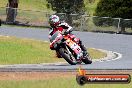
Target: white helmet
[(54, 19)]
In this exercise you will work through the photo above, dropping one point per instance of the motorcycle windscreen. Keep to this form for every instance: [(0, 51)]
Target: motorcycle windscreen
[(54, 36)]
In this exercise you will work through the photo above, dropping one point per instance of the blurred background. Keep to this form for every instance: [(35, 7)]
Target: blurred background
[(110, 16)]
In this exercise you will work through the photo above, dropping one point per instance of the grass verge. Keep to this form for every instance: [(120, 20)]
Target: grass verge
[(59, 82), (26, 51), (28, 4)]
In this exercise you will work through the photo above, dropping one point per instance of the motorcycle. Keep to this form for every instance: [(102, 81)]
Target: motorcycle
[(68, 49)]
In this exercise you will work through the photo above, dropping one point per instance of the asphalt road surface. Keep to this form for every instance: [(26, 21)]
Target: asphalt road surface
[(112, 42)]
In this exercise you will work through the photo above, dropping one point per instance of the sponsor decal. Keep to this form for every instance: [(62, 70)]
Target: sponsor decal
[(83, 78)]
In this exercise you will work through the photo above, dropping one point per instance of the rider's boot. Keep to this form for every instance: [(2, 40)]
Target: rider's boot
[(84, 49), (79, 42)]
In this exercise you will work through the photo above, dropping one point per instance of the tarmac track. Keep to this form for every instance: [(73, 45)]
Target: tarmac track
[(111, 42)]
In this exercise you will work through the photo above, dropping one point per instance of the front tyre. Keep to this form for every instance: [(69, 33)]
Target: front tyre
[(67, 56)]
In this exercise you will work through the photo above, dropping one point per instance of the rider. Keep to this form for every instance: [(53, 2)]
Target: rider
[(55, 23)]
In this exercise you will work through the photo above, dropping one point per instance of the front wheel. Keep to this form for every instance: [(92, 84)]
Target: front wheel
[(67, 56)]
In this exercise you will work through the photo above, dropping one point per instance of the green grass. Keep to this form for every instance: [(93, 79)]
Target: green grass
[(57, 83), (3, 3), (14, 50), (96, 54), (90, 7), (27, 27), (22, 51), (31, 17), (39, 5)]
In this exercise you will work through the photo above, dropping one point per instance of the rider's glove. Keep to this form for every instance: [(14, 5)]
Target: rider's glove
[(65, 33), (68, 31)]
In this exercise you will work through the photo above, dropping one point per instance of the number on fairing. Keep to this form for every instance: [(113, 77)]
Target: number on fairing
[(78, 49)]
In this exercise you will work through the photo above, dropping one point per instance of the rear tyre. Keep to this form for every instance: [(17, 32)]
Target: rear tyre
[(68, 57)]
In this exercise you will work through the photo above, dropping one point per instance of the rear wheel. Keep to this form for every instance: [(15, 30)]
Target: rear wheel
[(67, 56), (87, 59)]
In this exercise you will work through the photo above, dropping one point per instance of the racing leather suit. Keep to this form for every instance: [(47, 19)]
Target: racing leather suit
[(66, 30)]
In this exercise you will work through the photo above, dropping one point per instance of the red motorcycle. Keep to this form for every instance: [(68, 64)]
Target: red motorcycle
[(68, 49)]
